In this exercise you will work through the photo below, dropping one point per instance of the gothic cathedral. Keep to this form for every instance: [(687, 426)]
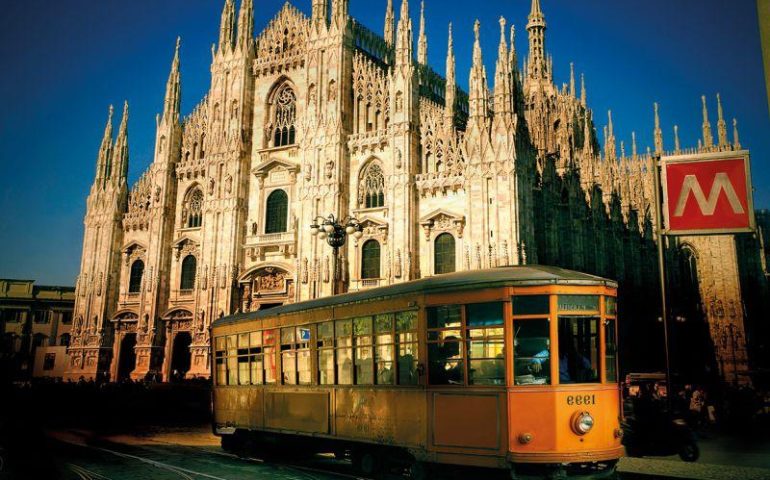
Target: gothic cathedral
[(317, 116)]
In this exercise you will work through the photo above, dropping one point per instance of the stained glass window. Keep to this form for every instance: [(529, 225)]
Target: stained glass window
[(370, 259)]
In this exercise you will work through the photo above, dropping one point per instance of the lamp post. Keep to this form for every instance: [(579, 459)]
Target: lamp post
[(335, 233)]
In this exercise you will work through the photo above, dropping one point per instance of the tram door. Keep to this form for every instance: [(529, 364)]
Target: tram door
[(465, 354)]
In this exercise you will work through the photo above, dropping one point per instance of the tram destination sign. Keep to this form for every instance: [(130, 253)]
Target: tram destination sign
[(707, 193)]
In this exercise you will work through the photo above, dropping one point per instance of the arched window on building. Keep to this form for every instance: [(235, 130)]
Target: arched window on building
[(284, 116), (444, 253), (371, 186), (193, 208), (39, 340), (370, 259), (276, 212), (187, 280), (135, 278)]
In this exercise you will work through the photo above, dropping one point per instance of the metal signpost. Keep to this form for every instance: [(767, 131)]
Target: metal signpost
[(703, 194)]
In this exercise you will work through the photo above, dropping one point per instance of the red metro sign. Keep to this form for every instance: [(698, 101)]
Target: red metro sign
[(707, 193)]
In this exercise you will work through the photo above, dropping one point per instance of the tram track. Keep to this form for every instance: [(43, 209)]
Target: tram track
[(84, 473)]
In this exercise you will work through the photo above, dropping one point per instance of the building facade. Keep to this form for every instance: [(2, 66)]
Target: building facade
[(33, 319), (319, 115)]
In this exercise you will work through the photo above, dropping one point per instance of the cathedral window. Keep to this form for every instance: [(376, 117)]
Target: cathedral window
[(370, 259), (135, 277), (201, 152), (276, 212), (444, 254), (371, 190), (64, 340), (189, 265), (194, 209), (285, 113)]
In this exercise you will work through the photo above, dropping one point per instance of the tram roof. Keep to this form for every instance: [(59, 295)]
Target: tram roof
[(525, 275)]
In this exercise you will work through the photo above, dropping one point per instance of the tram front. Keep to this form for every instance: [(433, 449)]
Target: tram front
[(564, 406)]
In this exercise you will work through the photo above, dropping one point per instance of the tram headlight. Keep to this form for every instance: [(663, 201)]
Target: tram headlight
[(582, 423)]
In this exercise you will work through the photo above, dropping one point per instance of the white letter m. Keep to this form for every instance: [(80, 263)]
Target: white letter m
[(708, 205)]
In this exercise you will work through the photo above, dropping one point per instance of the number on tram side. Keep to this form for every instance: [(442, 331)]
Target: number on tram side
[(581, 399)]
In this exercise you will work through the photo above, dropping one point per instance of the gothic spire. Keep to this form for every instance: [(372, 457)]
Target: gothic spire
[(451, 81), (583, 89), (422, 42), (588, 146), (104, 157), (721, 125), (513, 59), (677, 146), (320, 13), (658, 132), (478, 97), (404, 38), (708, 140), (340, 12), (572, 91), (227, 27), (736, 140), (245, 24), (173, 89), (390, 20), (536, 28), (503, 101), (610, 147), (633, 145), (120, 152)]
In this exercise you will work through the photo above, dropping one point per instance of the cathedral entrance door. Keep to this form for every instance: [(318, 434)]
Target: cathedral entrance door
[(127, 360), (180, 356)]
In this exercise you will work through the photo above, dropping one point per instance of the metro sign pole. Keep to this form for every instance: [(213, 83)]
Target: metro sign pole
[(703, 194)]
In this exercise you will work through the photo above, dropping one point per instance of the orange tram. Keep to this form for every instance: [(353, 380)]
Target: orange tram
[(511, 368)]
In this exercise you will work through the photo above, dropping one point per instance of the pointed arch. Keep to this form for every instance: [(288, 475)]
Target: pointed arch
[(192, 208), (371, 185), (282, 108)]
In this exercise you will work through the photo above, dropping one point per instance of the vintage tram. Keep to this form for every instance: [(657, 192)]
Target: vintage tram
[(511, 367)]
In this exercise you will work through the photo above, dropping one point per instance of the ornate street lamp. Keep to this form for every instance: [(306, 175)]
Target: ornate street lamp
[(335, 233)]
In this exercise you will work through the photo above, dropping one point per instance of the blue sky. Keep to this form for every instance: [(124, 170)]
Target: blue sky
[(65, 61)]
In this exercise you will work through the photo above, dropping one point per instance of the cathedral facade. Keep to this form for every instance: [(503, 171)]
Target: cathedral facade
[(319, 115)]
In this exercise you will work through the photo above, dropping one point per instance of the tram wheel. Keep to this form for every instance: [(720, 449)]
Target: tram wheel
[(419, 470)]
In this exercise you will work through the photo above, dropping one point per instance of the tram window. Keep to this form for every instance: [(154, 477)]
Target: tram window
[(531, 352), (406, 336), (268, 340), (445, 357), (445, 316), (255, 358), (610, 306), (232, 359), (343, 331), (485, 344), (220, 354), (610, 351), (364, 358), (383, 329), (530, 304), (578, 349), (304, 337), (288, 357), (244, 377), (325, 344)]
